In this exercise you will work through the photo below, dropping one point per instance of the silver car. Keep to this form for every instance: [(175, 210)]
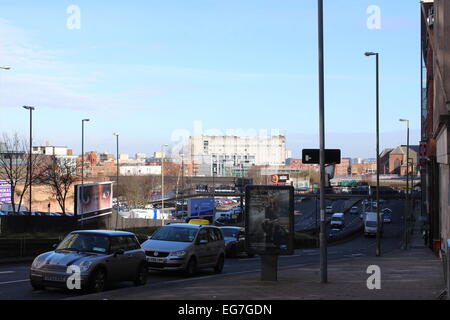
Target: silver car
[(185, 247), (99, 256)]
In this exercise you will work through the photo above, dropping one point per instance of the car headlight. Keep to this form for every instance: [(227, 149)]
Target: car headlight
[(84, 266), (180, 253), (38, 262)]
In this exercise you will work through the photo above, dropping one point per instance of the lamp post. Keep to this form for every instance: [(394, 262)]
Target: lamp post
[(82, 164), (378, 244), (30, 157), (407, 213), (117, 171), (162, 181), (323, 227)]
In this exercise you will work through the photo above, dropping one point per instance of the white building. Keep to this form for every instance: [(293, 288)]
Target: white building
[(139, 170), (227, 155), (62, 154)]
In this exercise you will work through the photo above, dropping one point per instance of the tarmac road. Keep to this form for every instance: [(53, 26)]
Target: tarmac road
[(14, 283)]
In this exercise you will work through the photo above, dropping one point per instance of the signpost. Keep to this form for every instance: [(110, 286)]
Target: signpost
[(312, 156), (269, 214), (5, 191)]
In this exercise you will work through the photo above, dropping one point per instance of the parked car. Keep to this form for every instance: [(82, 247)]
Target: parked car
[(101, 255), (387, 215), (333, 232), (234, 241), (185, 247), (329, 209)]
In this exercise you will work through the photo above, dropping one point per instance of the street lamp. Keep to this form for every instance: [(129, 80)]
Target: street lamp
[(407, 213), (82, 163), (30, 158), (378, 245), (162, 181), (117, 172)]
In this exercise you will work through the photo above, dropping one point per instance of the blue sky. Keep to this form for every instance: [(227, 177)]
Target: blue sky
[(150, 69)]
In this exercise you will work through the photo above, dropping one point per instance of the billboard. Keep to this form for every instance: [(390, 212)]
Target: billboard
[(93, 198), (280, 178), (5, 191), (269, 212), (201, 207)]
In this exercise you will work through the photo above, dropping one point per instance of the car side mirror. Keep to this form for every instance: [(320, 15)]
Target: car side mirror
[(119, 251)]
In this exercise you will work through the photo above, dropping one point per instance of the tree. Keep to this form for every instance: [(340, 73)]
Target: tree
[(59, 174), (14, 159)]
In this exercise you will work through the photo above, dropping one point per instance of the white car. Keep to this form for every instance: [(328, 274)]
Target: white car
[(329, 209)]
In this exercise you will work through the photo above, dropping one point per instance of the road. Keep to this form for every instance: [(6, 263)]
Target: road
[(14, 283)]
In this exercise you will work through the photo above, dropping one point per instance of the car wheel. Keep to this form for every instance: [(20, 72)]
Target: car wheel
[(191, 268), (97, 281), (141, 275), (37, 286), (219, 266)]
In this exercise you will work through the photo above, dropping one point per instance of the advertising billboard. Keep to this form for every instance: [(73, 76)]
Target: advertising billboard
[(93, 198), (269, 219), (201, 207), (280, 178), (5, 191)]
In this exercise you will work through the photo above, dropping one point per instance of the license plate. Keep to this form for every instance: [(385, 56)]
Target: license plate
[(55, 278), (152, 259)]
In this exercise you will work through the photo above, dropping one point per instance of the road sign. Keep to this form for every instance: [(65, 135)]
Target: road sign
[(312, 156)]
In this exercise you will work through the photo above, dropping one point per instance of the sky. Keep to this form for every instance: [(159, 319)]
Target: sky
[(157, 71)]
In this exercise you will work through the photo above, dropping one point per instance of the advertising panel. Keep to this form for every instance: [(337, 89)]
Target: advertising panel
[(269, 219), (93, 198), (280, 178), (5, 192), (201, 207)]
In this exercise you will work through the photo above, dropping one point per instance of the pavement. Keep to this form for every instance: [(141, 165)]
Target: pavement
[(413, 274)]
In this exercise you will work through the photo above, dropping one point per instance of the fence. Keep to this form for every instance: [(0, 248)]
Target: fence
[(35, 224), (10, 248)]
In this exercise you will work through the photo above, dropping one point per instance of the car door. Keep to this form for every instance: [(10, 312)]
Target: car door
[(202, 249), (118, 267), (134, 255), (214, 245)]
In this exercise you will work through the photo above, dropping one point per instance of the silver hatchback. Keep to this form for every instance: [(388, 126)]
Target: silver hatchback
[(96, 256), (185, 247)]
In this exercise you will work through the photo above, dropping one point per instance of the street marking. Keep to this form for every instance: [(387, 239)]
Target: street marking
[(8, 282)]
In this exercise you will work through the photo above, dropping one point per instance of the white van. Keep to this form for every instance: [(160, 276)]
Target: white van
[(337, 220), (370, 223)]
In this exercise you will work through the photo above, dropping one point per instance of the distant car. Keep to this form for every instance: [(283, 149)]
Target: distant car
[(333, 232), (329, 209), (387, 215), (185, 247), (337, 220), (354, 210), (101, 256), (234, 241)]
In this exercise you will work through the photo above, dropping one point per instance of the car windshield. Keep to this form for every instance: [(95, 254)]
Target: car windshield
[(230, 233), (83, 242), (177, 234)]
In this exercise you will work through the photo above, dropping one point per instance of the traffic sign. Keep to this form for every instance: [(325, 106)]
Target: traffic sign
[(312, 156)]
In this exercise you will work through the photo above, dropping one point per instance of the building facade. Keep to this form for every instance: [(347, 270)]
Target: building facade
[(435, 120)]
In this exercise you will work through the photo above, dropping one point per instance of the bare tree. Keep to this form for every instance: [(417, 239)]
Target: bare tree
[(59, 174), (14, 160)]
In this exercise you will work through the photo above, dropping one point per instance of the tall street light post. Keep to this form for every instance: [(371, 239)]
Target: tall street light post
[(323, 239), (30, 155), (378, 240), (407, 213), (162, 181), (117, 171), (82, 163)]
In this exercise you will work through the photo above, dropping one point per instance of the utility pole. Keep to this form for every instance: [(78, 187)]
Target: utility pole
[(117, 174), (30, 157), (407, 209)]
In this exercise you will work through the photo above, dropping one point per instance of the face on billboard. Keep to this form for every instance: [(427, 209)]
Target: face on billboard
[(269, 219), (93, 198)]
